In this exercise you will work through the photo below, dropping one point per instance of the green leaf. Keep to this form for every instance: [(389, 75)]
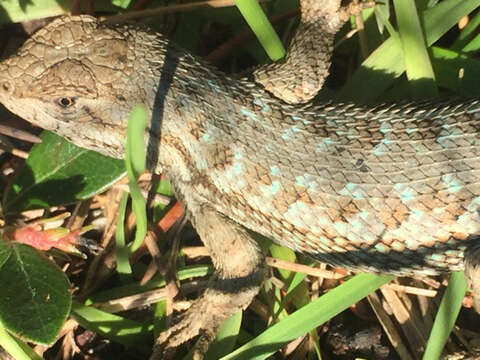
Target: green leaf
[(58, 173), (189, 272), (15, 347), (446, 315), (135, 162), (35, 300), (456, 71), (417, 61), (122, 3), (386, 63), (136, 152), (444, 15), (467, 34), (258, 22), (19, 11), (309, 317), (113, 327), (121, 250), (226, 337)]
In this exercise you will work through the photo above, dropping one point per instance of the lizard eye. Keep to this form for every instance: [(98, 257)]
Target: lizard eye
[(65, 102)]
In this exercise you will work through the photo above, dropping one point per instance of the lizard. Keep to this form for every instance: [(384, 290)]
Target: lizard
[(391, 188)]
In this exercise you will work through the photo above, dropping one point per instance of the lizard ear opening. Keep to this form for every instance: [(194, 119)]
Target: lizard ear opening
[(7, 87)]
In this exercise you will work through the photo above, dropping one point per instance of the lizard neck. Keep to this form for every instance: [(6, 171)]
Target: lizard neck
[(188, 121)]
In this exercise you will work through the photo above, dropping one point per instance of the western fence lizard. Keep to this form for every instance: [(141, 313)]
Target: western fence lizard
[(392, 188)]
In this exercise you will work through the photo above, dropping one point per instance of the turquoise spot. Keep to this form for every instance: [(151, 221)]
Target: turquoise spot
[(416, 213), (455, 186), (249, 114), (274, 170), (364, 214), (324, 221), (300, 180), (441, 139), (352, 189), (357, 225), (411, 244), (382, 147), (356, 191), (398, 247), (324, 240), (286, 135), (407, 194), (384, 131), (275, 187), (213, 85), (452, 183), (206, 137), (341, 227), (302, 206), (332, 123), (238, 156), (324, 144), (382, 248), (380, 150), (238, 168), (344, 191), (259, 102), (437, 257), (452, 253)]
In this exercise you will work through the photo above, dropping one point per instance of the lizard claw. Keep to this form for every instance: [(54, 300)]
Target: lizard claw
[(200, 320), (203, 319)]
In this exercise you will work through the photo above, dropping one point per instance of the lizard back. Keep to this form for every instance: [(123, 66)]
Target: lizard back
[(392, 188)]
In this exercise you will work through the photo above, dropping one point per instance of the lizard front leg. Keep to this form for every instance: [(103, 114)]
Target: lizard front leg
[(239, 264)]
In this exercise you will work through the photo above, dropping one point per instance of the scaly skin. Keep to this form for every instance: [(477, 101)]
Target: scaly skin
[(386, 189)]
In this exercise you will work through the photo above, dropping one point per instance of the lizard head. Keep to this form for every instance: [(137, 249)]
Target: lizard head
[(73, 77)]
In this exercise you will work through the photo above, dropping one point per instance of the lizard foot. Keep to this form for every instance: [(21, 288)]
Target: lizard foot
[(332, 13), (472, 273), (301, 74), (203, 319), (239, 265)]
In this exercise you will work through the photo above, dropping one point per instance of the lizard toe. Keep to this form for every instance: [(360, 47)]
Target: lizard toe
[(203, 319)]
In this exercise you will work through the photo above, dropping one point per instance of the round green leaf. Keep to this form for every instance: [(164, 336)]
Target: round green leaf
[(35, 299), (58, 173)]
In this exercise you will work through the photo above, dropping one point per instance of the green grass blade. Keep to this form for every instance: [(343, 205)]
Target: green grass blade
[(446, 316), (467, 33), (114, 327), (443, 16), (456, 71), (417, 61), (188, 272), (16, 348), (136, 154), (135, 161), (122, 252), (386, 63), (226, 337), (309, 317), (473, 45), (258, 22)]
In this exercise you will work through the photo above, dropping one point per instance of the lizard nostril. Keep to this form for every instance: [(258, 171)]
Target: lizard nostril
[(6, 86)]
